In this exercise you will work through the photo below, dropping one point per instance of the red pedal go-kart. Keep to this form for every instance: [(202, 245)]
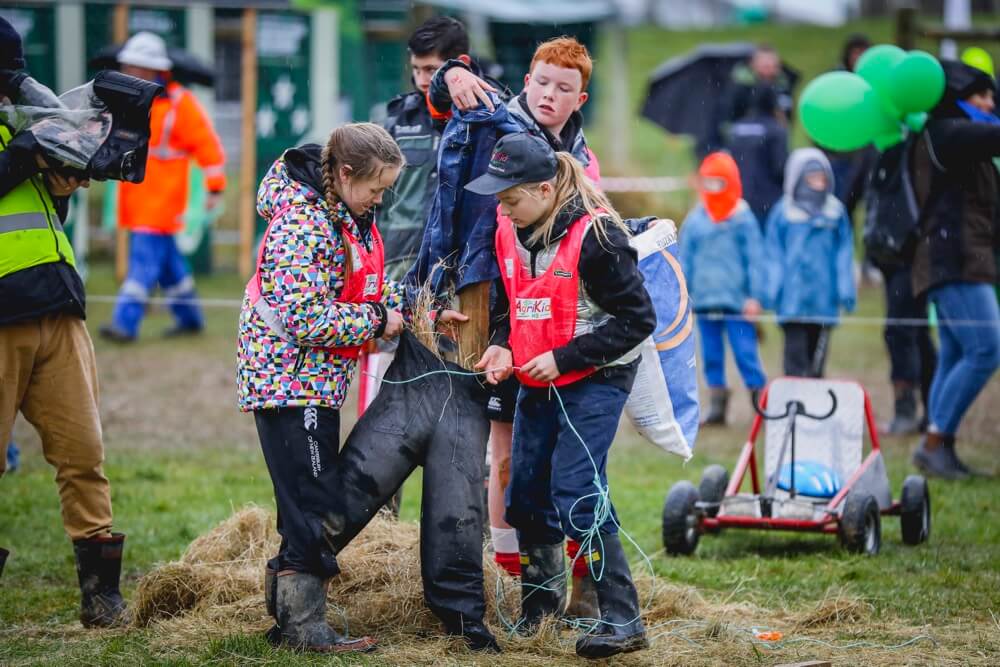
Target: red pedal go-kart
[(814, 477)]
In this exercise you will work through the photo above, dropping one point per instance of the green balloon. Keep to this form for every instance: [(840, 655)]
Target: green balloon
[(876, 66), (915, 121), (917, 83), (842, 112)]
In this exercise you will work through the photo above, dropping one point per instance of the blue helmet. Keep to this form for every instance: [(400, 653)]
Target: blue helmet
[(812, 478)]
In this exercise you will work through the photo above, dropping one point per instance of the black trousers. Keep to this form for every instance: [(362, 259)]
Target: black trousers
[(912, 355), (301, 448), (806, 347)]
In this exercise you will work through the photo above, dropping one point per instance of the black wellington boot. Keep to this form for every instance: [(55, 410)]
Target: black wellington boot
[(543, 584), (300, 603), (272, 635), (3, 559), (583, 599), (476, 635), (905, 421), (718, 401), (99, 569), (621, 629)]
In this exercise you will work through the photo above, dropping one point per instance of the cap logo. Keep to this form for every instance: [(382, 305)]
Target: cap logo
[(498, 162)]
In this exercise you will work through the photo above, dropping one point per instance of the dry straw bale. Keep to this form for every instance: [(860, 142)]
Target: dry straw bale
[(215, 590)]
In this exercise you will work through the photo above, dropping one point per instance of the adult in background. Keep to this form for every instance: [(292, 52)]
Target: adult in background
[(48, 371), (958, 190), (762, 68), (405, 206), (180, 131), (851, 169), (758, 141), (409, 121)]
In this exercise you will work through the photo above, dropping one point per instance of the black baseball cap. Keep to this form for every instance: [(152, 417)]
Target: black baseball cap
[(516, 159)]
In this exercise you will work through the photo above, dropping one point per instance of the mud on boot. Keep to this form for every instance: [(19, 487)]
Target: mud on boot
[(300, 603), (543, 585), (99, 569), (272, 634), (583, 600), (621, 629)]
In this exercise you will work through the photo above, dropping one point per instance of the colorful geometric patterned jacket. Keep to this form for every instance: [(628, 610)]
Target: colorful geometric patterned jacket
[(302, 274)]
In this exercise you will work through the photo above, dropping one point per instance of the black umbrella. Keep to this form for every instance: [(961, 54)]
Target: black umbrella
[(684, 91), (187, 69)]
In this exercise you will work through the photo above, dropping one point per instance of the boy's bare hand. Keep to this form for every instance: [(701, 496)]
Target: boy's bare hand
[(448, 320), (542, 368), (498, 362), (467, 90), (751, 308), (64, 186)]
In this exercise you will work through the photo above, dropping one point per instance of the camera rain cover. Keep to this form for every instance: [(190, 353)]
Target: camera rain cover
[(100, 128)]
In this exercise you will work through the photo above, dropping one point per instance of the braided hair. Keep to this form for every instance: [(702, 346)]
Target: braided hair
[(366, 149)]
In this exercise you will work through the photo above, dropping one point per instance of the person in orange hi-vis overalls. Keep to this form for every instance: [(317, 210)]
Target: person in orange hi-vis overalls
[(153, 210)]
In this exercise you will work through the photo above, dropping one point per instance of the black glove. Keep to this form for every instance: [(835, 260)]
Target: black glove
[(18, 162), (10, 82)]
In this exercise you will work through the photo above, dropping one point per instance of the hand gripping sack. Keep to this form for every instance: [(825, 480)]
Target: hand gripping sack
[(663, 405)]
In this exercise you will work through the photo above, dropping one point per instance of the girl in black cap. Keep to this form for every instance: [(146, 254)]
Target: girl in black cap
[(577, 311)]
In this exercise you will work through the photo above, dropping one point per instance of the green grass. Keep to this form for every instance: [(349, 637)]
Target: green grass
[(175, 479), (180, 458)]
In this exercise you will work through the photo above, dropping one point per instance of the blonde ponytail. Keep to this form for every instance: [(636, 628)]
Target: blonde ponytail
[(571, 182)]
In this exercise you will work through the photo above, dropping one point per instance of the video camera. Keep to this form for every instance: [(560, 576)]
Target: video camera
[(99, 130)]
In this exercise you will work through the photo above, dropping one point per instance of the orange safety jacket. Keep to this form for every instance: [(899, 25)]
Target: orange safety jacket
[(179, 131)]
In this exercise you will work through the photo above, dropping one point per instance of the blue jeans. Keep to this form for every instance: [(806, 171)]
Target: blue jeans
[(742, 338), (551, 491), (155, 260), (969, 354), (13, 456)]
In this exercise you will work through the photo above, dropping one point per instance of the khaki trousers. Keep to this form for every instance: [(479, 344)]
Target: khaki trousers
[(48, 371)]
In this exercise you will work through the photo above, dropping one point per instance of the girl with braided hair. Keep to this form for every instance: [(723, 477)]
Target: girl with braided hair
[(317, 296)]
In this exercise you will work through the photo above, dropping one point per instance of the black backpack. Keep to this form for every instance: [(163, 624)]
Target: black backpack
[(892, 214)]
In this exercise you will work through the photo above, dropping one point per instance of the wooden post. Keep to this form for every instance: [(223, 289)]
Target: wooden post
[(119, 28), (473, 336), (906, 27), (617, 133), (248, 141)]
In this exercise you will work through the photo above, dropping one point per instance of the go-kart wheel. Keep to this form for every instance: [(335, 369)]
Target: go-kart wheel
[(860, 527), (680, 520), (712, 487), (915, 510)]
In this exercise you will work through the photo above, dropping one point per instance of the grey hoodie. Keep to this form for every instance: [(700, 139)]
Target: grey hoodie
[(800, 200)]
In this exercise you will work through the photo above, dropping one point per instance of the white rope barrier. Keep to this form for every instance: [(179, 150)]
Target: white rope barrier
[(851, 320)]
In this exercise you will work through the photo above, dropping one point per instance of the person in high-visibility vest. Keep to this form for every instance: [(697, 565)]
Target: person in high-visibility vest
[(46, 356), (153, 210)]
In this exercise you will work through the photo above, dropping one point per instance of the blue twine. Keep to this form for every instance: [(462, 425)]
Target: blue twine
[(602, 513)]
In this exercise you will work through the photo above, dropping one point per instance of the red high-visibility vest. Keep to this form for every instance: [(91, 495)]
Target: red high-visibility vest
[(363, 283), (543, 309)]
